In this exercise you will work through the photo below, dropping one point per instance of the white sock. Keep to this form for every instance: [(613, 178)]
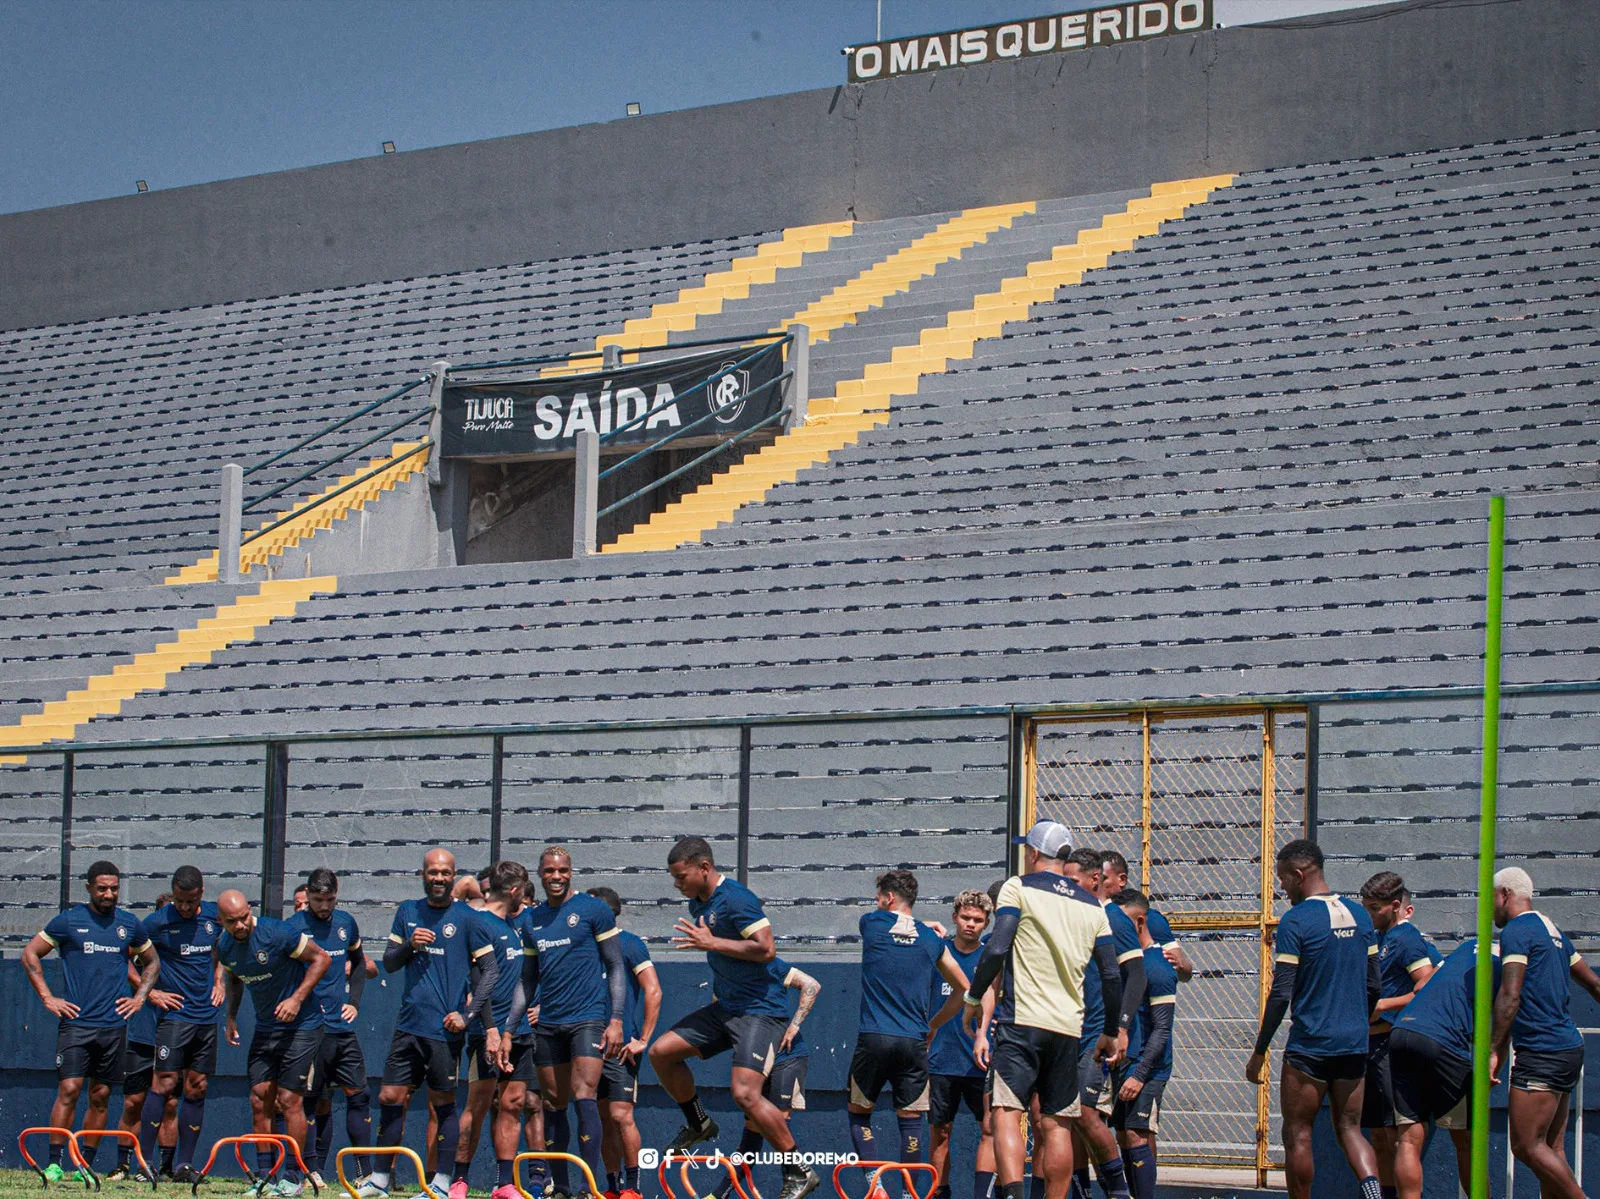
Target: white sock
[(380, 1179), (441, 1183)]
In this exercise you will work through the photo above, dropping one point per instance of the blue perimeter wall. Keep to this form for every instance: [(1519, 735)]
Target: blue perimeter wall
[(27, 1048)]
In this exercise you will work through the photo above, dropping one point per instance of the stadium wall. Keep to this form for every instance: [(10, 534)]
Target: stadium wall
[(1412, 76), (27, 1048)]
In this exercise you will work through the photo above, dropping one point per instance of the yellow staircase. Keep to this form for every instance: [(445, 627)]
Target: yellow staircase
[(900, 270), (315, 513), (863, 403), (708, 296), (104, 694)]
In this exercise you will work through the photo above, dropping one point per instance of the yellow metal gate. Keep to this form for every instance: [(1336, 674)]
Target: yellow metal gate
[(1199, 803)]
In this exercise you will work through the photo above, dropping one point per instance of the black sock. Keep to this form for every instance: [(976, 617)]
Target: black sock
[(1391, 1193), (358, 1124), (630, 1178), (694, 1112), (124, 1153), (613, 1181), (983, 1184), (1082, 1183), (1011, 1190), (169, 1153), (55, 1153), (460, 1171)]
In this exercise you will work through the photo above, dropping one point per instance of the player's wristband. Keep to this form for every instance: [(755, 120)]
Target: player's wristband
[(970, 1001)]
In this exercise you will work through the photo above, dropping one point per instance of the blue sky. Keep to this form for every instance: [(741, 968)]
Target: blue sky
[(99, 93)]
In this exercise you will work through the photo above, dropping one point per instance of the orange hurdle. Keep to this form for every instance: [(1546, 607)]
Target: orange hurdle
[(120, 1134), (879, 1169), (382, 1151), (516, 1169), (91, 1179), (282, 1143), (685, 1160)]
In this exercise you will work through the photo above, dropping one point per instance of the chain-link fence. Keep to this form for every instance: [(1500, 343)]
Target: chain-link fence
[(1199, 804)]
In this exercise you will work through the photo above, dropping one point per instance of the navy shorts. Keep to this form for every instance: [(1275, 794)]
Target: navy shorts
[(900, 1063), (1558, 1071), (415, 1060), (286, 1055), (949, 1093), (1336, 1067), (1034, 1061), (619, 1081), (340, 1062), (785, 1087), (94, 1053), (1377, 1101), (181, 1045), (558, 1044), (713, 1029), (138, 1068)]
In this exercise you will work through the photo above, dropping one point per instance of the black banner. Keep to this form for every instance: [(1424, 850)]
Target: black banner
[(525, 418), (1107, 25)]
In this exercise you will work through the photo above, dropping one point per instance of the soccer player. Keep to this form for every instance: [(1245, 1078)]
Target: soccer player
[(576, 962), (1430, 1066), (340, 1062), (1406, 960), (1046, 931), (300, 898), (281, 968), (95, 940), (1093, 1138), (954, 1078), (900, 959), (184, 932), (747, 1015), (619, 1078), (1536, 960), (1142, 1077), (510, 1069), (1326, 968), (1113, 880), (445, 951), (139, 1064)]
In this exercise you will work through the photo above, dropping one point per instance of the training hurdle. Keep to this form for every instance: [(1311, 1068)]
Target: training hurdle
[(879, 1169), (90, 1178), (545, 1155), (381, 1151), (283, 1143), (685, 1160), (122, 1134)]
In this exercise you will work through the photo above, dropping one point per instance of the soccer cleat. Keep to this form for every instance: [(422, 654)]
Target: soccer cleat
[(800, 1183), (625, 1193), (120, 1172), (688, 1138), (187, 1175), (316, 1180), (371, 1190), (458, 1189), (54, 1172), (286, 1189), (260, 1187), (505, 1191)]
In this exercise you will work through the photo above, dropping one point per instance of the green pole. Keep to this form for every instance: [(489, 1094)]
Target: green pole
[(1483, 1013)]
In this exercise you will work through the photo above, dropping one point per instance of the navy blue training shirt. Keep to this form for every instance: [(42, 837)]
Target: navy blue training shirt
[(266, 966), (1327, 939), (1401, 949), (742, 988), (506, 939), (1125, 940), (437, 976), (1544, 1021), (566, 940), (1160, 931), (338, 935), (94, 953), (184, 947), (635, 956), (1161, 987), (1443, 1009), (899, 964), (951, 1051)]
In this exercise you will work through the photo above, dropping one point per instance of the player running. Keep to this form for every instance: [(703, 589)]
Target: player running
[(1326, 968), (340, 1062), (95, 940), (1406, 960), (954, 1080), (576, 962), (1532, 1009), (445, 952), (1046, 931), (1142, 1076), (900, 959), (1430, 1066), (746, 1015), (281, 969), (1114, 880), (619, 1078), (510, 1069), (184, 932)]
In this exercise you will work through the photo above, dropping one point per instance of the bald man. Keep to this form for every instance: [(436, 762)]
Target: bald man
[(281, 968), (446, 952)]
